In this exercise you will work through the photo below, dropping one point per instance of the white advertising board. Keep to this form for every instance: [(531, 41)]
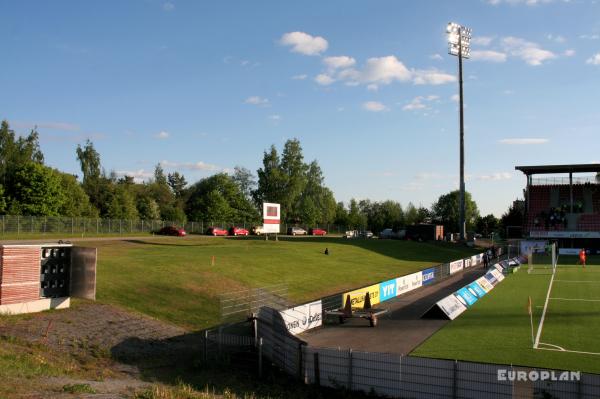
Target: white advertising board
[(485, 284), (451, 306), (303, 317), (528, 247), (456, 266), (569, 251), (271, 217), (408, 283), (499, 276)]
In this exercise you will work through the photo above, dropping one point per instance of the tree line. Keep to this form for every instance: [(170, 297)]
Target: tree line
[(29, 187)]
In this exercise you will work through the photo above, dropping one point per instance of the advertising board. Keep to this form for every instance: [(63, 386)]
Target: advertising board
[(271, 217), (456, 266), (428, 276), (387, 290), (569, 251), (451, 306), (533, 246), (303, 317), (477, 289), (476, 259), (357, 297), (485, 284), (491, 278), (499, 276), (408, 283), (467, 295)]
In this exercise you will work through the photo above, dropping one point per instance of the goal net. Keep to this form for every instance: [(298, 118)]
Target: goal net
[(542, 260)]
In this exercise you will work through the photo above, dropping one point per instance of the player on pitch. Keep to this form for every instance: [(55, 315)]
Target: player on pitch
[(582, 256)]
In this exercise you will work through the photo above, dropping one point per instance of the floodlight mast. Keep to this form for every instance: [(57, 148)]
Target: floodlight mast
[(459, 39)]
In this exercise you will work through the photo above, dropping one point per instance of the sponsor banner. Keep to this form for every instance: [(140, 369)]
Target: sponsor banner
[(533, 246), (357, 297), (467, 296), (513, 262), (569, 251), (451, 306), (500, 266), (476, 259), (498, 275), (408, 283), (477, 289), (456, 266), (271, 217), (485, 284), (467, 263), (387, 290), (303, 317), (564, 234), (428, 276), (491, 278)]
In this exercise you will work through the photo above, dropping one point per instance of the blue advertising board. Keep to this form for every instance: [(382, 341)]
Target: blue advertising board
[(428, 276), (490, 277), (387, 290), (476, 288), (465, 294)]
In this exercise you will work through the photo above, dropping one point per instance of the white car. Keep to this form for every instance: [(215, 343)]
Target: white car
[(257, 230), (293, 231)]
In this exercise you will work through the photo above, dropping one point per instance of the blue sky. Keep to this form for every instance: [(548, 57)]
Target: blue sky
[(367, 87)]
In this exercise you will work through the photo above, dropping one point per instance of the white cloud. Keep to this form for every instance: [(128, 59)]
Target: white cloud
[(139, 176), (374, 106), (168, 6), (69, 127), (384, 70), (341, 61), (275, 117), (526, 2), (495, 176), (508, 92), (324, 79), (419, 102), (594, 60), (523, 141), (594, 36), (488, 55), (162, 135), (556, 38), (372, 87), (529, 52), (299, 77), (432, 77), (436, 57), (304, 43), (256, 100), (569, 53), (190, 166), (455, 97), (482, 40)]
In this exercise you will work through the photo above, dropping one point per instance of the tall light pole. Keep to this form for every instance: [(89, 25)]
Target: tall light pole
[(459, 40)]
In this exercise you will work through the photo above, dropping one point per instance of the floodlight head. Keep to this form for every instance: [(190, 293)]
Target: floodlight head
[(459, 39)]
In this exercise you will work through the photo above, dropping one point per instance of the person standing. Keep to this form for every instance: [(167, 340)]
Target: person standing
[(582, 257), (485, 260)]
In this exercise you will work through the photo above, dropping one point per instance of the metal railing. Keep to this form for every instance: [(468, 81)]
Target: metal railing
[(562, 180), (238, 305)]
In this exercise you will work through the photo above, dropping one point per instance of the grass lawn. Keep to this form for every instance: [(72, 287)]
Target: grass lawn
[(172, 278), (497, 328)]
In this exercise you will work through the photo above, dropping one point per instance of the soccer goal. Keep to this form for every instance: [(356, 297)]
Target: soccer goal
[(542, 260)]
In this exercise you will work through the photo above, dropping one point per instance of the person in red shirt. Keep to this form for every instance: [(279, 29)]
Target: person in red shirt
[(582, 256)]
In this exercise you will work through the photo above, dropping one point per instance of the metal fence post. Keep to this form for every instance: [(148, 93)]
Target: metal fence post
[(300, 373), (120, 226), (454, 379), (72, 221), (350, 372), (32, 224), (317, 370), (260, 358)]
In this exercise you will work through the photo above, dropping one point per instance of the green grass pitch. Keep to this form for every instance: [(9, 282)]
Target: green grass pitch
[(497, 328)]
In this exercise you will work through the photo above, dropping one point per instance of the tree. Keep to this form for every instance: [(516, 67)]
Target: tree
[(514, 216), (37, 191), (89, 159), (76, 202), (446, 211), (177, 183), (2, 200), (487, 224), (245, 180), (122, 205), (356, 218), (341, 214), (219, 198), (147, 207), (159, 175), (294, 169), (411, 214), (271, 181)]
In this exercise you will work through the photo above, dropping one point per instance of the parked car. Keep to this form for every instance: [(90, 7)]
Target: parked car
[(351, 234), (294, 231), (172, 231), (237, 231), (216, 231), (317, 232), (387, 233), (365, 234), (257, 230)]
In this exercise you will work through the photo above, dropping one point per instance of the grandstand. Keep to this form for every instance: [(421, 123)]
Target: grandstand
[(563, 207)]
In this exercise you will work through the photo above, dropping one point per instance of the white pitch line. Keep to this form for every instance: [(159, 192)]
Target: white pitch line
[(575, 299), (578, 281), (539, 331), (566, 350)]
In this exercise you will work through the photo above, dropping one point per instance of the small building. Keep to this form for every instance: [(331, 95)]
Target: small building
[(37, 277)]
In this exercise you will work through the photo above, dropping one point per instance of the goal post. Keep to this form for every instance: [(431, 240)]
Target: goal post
[(542, 259)]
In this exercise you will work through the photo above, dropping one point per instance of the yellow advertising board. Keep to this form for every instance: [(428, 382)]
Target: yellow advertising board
[(357, 297)]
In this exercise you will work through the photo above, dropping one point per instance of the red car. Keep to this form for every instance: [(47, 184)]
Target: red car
[(172, 231), (238, 231), (216, 231), (317, 232)]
